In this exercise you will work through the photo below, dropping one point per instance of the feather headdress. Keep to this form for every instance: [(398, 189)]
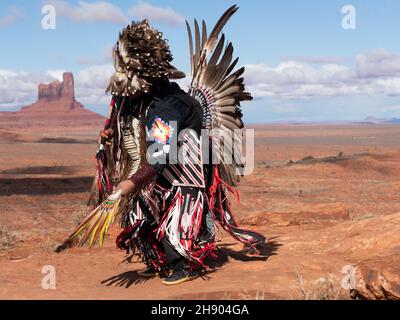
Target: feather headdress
[(141, 56)]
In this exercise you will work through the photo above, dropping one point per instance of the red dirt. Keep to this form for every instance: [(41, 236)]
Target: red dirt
[(319, 217)]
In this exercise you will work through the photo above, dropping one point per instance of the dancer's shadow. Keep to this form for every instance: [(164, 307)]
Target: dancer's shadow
[(126, 279), (224, 253)]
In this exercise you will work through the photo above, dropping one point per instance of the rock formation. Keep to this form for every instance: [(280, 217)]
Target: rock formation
[(68, 88), (56, 105), (50, 92), (57, 90)]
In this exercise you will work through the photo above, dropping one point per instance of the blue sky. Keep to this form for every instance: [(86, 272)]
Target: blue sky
[(301, 64)]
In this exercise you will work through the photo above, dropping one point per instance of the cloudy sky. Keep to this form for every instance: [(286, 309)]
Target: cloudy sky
[(301, 64)]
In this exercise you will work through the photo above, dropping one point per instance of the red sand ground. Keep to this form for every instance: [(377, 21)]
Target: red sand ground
[(319, 215)]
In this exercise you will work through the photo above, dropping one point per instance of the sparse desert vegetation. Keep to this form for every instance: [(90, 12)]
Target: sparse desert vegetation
[(8, 240), (323, 195)]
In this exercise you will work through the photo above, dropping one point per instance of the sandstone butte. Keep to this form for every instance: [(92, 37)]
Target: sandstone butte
[(56, 106)]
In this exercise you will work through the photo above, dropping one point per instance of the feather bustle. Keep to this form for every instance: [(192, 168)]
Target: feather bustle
[(219, 90)]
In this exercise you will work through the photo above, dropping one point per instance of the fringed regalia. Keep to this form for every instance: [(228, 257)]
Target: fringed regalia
[(179, 204)]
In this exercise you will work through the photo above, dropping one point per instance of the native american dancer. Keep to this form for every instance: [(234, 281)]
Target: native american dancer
[(151, 171)]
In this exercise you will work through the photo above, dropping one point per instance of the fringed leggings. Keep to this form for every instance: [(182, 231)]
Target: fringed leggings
[(185, 230)]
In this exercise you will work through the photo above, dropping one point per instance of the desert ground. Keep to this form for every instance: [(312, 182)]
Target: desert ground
[(326, 196)]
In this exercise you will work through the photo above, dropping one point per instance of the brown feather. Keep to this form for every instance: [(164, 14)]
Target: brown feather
[(228, 92), (225, 102), (228, 109), (192, 63), (222, 66), (209, 72), (230, 68), (204, 35), (218, 27), (197, 41), (231, 122), (233, 78)]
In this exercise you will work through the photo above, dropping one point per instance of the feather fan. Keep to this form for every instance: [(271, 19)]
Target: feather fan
[(94, 227)]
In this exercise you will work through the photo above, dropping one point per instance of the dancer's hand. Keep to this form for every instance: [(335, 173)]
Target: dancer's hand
[(107, 134), (126, 187)]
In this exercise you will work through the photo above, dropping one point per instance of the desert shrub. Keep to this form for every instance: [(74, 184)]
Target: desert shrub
[(8, 240), (79, 215), (325, 288)]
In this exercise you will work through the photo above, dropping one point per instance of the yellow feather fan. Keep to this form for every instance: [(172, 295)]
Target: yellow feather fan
[(95, 226)]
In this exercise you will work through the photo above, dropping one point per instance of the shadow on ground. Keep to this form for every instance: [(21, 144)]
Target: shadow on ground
[(66, 141), (44, 186), (225, 254), (127, 279), (64, 170)]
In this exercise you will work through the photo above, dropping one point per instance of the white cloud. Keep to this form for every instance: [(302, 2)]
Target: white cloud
[(372, 74), (389, 86), (378, 63), (100, 11), (94, 76), (103, 11), (144, 10), (19, 88), (293, 72), (294, 79), (56, 74), (376, 72), (12, 17), (91, 83), (391, 108), (321, 59)]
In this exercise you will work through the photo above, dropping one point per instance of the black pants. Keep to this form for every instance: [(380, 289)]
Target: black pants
[(173, 257)]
